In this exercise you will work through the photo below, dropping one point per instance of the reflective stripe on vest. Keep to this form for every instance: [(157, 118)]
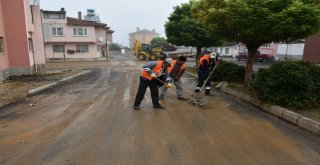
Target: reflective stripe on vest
[(171, 67), (155, 70)]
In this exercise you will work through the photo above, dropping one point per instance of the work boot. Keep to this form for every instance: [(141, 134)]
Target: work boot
[(181, 98), (159, 107), (207, 92), (136, 107)]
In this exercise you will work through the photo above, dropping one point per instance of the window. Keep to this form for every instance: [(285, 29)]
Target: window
[(226, 51), (30, 44), (1, 45), (80, 32), (266, 45), (82, 48), (56, 31), (58, 48)]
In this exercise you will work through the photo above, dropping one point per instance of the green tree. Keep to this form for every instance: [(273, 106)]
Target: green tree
[(158, 41), (257, 22), (182, 29), (115, 46)]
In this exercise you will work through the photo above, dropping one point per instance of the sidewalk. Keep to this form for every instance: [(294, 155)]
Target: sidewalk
[(290, 116), (18, 87)]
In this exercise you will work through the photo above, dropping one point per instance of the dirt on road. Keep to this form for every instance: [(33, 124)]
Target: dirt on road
[(90, 120)]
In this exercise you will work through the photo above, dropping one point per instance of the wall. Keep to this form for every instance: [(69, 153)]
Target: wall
[(48, 24), (4, 62), (312, 49), (38, 36), (109, 38), (72, 46), (16, 36), (67, 32), (233, 51), (144, 38), (290, 51)]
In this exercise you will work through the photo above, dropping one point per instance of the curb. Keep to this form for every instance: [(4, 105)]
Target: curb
[(41, 88), (290, 116)]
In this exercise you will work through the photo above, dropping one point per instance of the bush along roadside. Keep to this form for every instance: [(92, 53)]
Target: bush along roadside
[(230, 72), (289, 83)]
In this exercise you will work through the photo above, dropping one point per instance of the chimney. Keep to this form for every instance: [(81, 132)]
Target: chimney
[(138, 29), (62, 9), (79, 15)]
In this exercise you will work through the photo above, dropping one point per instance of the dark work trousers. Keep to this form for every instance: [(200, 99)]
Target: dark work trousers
[(202, 77), (154, 90)]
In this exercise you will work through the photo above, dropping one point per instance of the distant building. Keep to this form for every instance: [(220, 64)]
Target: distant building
[(232, 49), (229, 49), (74, 38), (21, 41), (144, 36), (312, 49), (292, 50)]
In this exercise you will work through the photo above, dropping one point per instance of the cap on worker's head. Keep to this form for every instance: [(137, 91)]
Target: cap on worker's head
[(169, 61)]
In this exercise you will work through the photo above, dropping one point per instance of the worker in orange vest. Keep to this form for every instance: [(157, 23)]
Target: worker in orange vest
[(205, 65), (150, 76), (175, 73)]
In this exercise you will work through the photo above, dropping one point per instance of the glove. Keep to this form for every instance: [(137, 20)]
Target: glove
[(153, 75), (168, 85)]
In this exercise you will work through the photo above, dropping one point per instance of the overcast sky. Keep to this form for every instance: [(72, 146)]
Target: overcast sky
[(123, 16)]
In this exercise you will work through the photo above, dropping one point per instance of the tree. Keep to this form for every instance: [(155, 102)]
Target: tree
[(182, 29), (158, 41), (258, 22), (115, 46)]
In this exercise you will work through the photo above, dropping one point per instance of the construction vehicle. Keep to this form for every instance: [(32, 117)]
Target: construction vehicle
[(149, 52), (146, 51)]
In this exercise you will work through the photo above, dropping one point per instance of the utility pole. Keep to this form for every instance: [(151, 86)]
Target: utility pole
[(107, 52)]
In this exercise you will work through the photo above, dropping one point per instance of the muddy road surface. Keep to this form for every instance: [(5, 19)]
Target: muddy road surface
[(90, 120)]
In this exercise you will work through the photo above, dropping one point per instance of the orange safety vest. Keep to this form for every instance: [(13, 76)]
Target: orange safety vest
[(205, 57), (156, 70), (171, 67)]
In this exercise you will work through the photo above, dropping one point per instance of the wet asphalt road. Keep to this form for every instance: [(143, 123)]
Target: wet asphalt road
[(90, 120)]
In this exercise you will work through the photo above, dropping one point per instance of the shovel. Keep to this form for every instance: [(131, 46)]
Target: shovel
[(195, 100)]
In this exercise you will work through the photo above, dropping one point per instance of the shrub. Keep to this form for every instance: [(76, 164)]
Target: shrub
[(289, 83), (228, 71)]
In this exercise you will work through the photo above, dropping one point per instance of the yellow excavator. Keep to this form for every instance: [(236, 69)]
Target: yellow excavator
[(146, 51)]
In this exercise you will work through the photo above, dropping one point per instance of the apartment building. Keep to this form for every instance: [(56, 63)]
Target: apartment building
[(144, 36), (21, 41), (74, 38)]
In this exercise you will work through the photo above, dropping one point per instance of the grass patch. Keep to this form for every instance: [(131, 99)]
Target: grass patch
[(312, 113)]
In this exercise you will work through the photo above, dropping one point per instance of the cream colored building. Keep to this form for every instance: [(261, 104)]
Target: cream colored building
[(144, 36), (74, 38)]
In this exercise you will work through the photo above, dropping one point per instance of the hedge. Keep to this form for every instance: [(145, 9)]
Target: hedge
[(289, 83)]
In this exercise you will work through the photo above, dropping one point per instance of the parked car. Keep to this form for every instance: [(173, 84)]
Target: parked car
[(259, 56)]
